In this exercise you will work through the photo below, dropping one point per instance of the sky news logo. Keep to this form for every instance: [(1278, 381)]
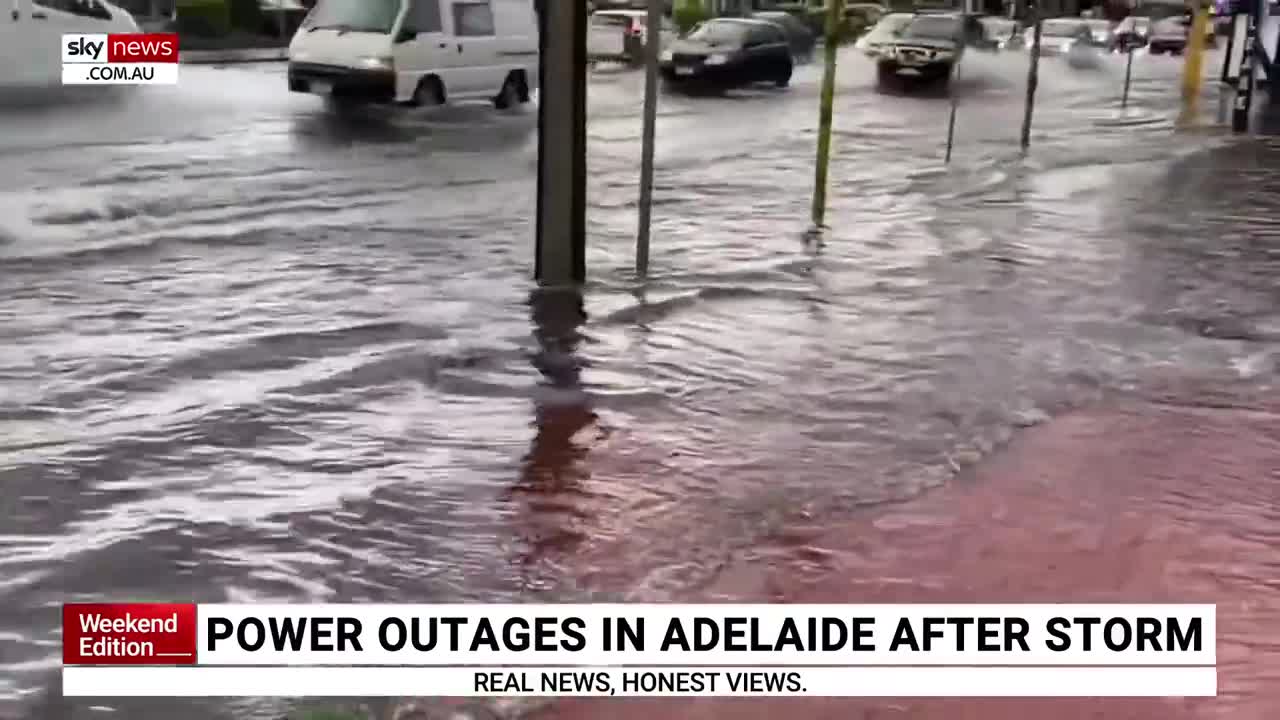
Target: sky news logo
[(120, 59)]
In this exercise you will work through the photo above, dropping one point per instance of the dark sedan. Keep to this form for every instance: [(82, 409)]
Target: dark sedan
[(729, 52), (799, 37), (927, 51)]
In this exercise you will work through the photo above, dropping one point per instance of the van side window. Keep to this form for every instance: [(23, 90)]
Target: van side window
[(471, 19), (83, 8), (424, 17)]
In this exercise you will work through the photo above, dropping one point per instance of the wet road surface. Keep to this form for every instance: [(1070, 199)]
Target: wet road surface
[(256, 352)]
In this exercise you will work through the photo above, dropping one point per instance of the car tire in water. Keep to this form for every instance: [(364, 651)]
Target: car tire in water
[(783, 78), (509, 95), (341, 105), (429, 92), (885, 77)]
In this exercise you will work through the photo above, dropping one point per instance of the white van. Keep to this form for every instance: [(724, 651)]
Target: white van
[(417, 52), (31, 36)]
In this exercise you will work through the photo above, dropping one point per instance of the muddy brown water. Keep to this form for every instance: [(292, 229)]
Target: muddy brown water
[(255, 352)]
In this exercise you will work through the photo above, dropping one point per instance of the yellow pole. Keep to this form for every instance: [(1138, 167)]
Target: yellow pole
[(1193, 70)]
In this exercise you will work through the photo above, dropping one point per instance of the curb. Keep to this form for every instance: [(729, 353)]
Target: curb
[(222, 57)]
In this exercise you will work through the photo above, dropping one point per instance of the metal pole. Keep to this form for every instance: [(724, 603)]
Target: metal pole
[(1033, 78), (562, 144), (1128, 73), (1244, 83), (653, 43), (824, 112), (955, 101)]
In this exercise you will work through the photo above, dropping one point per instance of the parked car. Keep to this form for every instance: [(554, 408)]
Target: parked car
[(998, 33), (927, 51), (1102, 31), (882, 36), (620, 35), (1169, 36), (1132, 32), (799, 37), (729, 52), (1058, 35)]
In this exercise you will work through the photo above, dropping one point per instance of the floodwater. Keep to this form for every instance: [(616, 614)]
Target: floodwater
[(252, 351)]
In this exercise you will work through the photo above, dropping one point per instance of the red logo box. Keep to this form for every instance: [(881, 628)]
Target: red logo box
[(142, 48), (128, 634)]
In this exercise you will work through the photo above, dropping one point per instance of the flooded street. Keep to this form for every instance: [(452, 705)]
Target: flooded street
[(254, 352)]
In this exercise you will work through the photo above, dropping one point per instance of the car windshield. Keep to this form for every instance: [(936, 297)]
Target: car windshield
[(889, 26), (377, 16), (779, 18), (1170, 26), (720, 32), (998, 26), (1060, 28), (941, 28)]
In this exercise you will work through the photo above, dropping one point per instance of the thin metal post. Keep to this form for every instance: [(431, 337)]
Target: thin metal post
[(1128, 74), (1033, 78), (819, 208), (562, 144), (653, 44), (955, 98)]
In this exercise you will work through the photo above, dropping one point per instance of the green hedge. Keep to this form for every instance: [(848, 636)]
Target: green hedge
[(203, 18), (246, 15), (686, 17)]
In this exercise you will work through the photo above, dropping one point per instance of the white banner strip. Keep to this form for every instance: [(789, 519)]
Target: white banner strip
[(723, 634), (120, 74), (634, 682)]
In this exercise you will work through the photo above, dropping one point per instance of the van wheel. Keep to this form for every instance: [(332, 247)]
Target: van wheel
[(509, 95), (430, 91)]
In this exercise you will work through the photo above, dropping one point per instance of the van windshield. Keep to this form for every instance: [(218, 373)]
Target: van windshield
[(374, 16)]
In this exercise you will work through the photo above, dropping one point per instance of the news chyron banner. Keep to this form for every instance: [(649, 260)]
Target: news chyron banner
[(120, 59), (150, 650)]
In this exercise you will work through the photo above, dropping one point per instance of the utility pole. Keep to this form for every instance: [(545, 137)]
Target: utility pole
[(560, 254)]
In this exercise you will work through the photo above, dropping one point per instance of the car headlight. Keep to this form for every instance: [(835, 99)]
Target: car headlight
[(941, 54), (666, 56), (717, 59), (380, 62)]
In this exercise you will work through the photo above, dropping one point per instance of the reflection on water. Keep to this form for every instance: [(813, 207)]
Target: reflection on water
[(251, 351), (554, 469)]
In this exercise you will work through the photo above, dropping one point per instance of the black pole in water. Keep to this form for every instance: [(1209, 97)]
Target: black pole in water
[(1244, 83), (1128, 73), (560, 257), (951, 118), (652, 49), (1033, 78), (951, 130)]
